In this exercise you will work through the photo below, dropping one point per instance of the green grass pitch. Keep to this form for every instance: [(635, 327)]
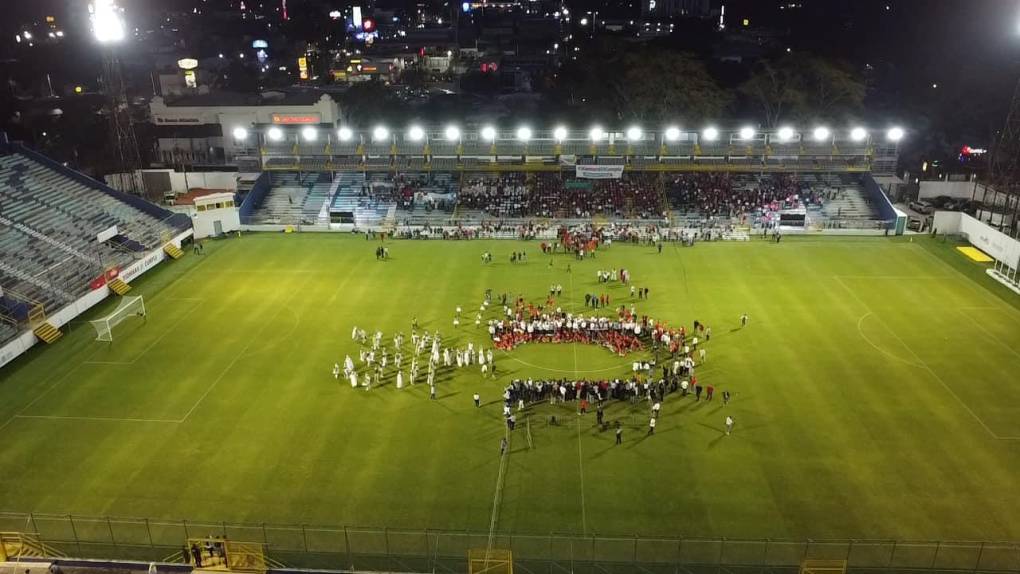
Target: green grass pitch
[(876, 393)]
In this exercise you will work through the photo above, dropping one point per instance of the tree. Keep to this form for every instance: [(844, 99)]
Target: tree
[(804, 87), (616, 79)]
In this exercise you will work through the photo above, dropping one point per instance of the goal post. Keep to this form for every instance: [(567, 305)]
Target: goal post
[(128, 307)]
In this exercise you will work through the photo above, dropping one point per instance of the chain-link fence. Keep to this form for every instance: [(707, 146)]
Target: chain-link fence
[(404, 550)]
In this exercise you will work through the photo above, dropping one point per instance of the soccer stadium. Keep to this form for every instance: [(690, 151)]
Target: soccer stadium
[(424, 349)]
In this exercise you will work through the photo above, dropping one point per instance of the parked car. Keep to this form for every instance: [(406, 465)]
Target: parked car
[(923, 207), (914, 223)]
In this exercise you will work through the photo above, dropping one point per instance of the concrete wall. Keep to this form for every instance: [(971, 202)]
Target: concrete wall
[(958, 189)]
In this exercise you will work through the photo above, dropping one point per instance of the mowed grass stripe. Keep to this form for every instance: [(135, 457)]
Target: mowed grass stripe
[(834, 438)]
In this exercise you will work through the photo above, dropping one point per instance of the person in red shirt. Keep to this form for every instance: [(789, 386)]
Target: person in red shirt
[(709, 390)]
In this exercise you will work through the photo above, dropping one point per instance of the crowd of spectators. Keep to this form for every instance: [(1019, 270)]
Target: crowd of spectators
[(722, 195)]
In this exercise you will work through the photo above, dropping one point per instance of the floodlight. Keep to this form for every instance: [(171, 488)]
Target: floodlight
[(489, 133), (785, 134), (107, 24), (524, 133), (345, 134), (597, 134), (380, 133), (416, 133), (275, 134), (747, 133), (858, 134), (309, 133), (895, 134), (453, 133), (560, 133), (710, 134), (240, 133), (672, 133), (821, 133), (634, 133)]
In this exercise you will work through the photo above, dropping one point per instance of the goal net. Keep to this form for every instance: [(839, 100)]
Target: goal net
[(129, 307)]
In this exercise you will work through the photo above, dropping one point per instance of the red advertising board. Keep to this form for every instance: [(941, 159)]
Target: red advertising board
[(296, 119)]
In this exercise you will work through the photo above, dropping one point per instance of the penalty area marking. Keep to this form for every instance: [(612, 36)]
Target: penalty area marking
[(923, 365), (879, 348)]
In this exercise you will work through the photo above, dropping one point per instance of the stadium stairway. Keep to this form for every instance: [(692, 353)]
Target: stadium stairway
[(20, 545), (47, 333), (118, 286), (173, 251)]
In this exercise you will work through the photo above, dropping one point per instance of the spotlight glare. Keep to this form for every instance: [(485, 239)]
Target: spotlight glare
[(672, 133), (524, 133), (747, 133), (560, 133), (309, 133), (452, 133), (821, 133), (895, 134), (489, 133), (275, 134), (416, 133), (710, 134), (597, 134), (345, 134), (634, 133), (240, 133), (858, 134), (380, 133), (785, 133)]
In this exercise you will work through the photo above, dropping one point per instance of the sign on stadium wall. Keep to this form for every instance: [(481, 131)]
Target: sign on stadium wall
[(599, 171), (293, 119)]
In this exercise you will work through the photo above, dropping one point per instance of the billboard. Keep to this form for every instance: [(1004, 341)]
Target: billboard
[(302, 64)]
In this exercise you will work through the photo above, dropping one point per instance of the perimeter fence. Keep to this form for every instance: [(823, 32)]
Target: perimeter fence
[(409, 550)]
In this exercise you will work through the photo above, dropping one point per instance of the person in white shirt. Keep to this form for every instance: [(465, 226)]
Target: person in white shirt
[(400, 380), (683, 387), (336, 370), (729, 424), (651, 426), (701, 355)]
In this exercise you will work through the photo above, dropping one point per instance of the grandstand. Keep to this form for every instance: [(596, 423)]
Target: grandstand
[(295, 199), (61, 232)]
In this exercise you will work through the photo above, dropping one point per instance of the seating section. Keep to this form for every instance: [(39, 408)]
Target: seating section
[(438, 197), (294, 199), (754, 198), (49, 222)]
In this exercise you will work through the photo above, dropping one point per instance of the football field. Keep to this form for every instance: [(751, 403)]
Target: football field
[(876, 394)]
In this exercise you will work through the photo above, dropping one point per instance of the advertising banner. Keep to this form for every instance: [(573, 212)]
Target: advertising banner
[(599, 171)]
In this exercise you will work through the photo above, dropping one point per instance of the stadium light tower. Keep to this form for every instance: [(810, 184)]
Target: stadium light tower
[(109, 31)]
